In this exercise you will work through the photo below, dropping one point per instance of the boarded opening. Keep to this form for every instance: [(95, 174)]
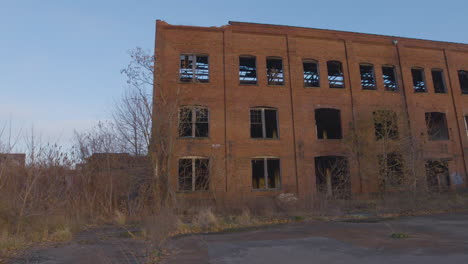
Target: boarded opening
[(311, 73), (332, 176), (389, 78), (266, 173), (367, 77), (335, 74), (419, 82), (247, 70), (438, 176), (328, 123), (275, 75), (436, 123), (438, 81)]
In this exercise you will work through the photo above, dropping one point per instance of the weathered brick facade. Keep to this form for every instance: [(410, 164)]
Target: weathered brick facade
[(229, 145)]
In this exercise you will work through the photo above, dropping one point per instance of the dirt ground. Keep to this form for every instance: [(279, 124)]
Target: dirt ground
[(106, 245), (431, 239)]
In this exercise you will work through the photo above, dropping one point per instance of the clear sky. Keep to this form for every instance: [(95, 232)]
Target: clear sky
[(60, 60)]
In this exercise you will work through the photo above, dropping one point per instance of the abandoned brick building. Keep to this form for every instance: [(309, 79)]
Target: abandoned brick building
[(266, 109)]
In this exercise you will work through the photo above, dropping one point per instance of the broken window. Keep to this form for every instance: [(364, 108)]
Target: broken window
[(437, 173), (247, 70), (438, 81), (266, 173), (311, 73), (463, 77), (466, 125), (389, 78), (390, 170), (194, 122), (328, 123), (275, 73), (332, 176), (194, 174), (367, 77), (194, 68), (335, 74), (436, 123), (419, 82), (386, 125), (263, 123)]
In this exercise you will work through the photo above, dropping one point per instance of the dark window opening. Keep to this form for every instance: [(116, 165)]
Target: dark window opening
[(311, 73), (463, 78), (437, 126), (389, 78), (386, 125), (194, 68), (247, 70), (275, 73), (390, 170), (335, 74), (438, 81), (332, 176), (466, 125), (367, 77), (438, 176), (328, 123), (263, 123), (194, 122), (193, 174), (266, 173), (419, 82)]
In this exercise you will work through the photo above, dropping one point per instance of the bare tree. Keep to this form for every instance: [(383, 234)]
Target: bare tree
[(132, 114)]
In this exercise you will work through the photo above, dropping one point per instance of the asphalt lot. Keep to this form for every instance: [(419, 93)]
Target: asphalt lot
[(432, 239)]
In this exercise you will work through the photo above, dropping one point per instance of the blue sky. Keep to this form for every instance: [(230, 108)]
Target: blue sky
[(60, 61)]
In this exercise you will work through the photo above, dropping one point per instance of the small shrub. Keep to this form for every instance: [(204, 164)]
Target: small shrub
[(60, 235), (206, 219), (399, 235), (120, 218)]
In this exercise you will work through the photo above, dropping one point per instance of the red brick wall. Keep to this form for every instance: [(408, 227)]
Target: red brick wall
[(229, 145)]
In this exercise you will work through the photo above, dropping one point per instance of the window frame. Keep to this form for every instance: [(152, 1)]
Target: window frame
[(256, 69), (283, 82), (263, 120), (342, 75), (340, 122), (194, 176), (465, 73), (374, 87), (194, 78), (424, 79), (395, 75), (444, 83), (265, 173), (193, 121), (430, 136), (316, 62)]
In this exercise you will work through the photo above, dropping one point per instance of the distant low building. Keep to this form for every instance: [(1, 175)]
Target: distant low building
[(13, 159)]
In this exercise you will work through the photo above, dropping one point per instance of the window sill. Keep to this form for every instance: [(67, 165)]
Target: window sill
[(267, 190), (180, 82), (195, 138), (196, 192), (265, 138)]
